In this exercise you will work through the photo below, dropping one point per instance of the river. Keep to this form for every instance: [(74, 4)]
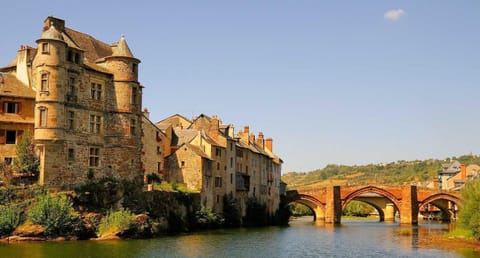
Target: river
[(303, 238)]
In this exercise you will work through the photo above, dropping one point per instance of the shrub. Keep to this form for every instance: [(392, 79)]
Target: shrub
[(55, 214), (9, 219), (469, 217), (206, 218), (231, 211), (256, 213), (116, 221), (153, 178)]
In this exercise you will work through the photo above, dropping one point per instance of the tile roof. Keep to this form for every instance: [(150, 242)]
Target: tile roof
[(122, 49), (15, 88), (94, 49), (183, 136)]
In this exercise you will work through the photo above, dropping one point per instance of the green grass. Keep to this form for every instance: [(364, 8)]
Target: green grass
[(461, 233)]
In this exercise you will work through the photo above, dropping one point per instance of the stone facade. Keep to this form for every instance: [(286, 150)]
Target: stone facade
[(87, 105), (156, 146), (209, 158)]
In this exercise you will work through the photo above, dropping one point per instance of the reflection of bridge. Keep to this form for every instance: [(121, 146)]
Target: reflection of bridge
[(327, 203)]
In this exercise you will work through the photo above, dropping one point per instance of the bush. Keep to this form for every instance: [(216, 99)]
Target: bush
[(55, 214), (116, 221), (469, 217), (9, 219), (206, 218), (231, 211), (256, 213)]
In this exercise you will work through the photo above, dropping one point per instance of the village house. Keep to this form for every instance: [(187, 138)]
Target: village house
[(82, 100), (211, 159)]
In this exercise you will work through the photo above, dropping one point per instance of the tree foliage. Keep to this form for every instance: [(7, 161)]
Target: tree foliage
[(26, 161), (356, 208), (469, 216), (231, 211), (393, 173)]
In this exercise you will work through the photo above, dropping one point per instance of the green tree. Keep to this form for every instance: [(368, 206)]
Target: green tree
[(469, 217), (26, 160), (356, 208)]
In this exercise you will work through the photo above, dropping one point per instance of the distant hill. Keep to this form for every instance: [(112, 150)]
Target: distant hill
[(394, 173)]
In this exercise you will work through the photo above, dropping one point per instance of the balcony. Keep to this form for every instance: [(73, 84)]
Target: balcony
[(242, 182), (71, 98)]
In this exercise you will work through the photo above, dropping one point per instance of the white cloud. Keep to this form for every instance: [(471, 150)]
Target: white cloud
[(394, 14)]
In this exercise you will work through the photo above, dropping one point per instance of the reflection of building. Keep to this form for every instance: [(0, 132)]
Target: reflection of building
[(210, 158), (82, 99), (454, 175)]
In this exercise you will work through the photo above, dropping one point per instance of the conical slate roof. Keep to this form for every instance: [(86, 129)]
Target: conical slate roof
[(122, 49), (52, 33)]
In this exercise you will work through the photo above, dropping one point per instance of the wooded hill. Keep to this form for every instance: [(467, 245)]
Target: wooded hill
[(394, 173)]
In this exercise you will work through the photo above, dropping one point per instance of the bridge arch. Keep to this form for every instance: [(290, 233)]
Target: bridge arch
[(442, 201), (371, 189), (315, 205), (357, 195)]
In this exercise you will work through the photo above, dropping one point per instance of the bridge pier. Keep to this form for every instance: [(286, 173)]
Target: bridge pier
[(333, 207), (389, 212), (409, 206)]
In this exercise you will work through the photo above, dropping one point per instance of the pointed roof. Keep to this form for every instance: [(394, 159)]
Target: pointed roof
[(52, 33), (121, 49)]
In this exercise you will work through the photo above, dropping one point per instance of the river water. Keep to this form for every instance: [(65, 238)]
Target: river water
[(303, 238)]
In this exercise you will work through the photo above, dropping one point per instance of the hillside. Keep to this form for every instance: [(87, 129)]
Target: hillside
[(394, 173)]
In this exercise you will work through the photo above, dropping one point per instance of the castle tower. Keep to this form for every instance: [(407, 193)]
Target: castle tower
[(48, 79), (127, 103)]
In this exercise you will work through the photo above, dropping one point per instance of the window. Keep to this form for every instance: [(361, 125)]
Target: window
[(133, 127), (94, 157), (8, 161), (95, 123), (77, 58), (96, 91), (239, 153), (71, 154), (11, 107), (231, 162), (231, 147), (183, 163), (218, 165), (218, 198), (218, 152), (11, 137), (44, 82), (159, 167), (159, 150), (43, 117), (70, 120), (134, 96), (45, 48), (134, 68), (218, 181), (231, 178)]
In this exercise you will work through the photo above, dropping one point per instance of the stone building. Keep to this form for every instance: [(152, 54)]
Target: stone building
[(87, 105), (209, 158), (16, 113), (155, 147)]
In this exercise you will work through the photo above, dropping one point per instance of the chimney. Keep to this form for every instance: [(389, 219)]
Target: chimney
[(260, 140), (269, 144), (252, 138), (58, 23), (246, 129), (213, 131), (463, 171), (23, 65), (146, 113)]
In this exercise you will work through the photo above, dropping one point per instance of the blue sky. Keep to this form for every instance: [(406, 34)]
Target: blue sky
[(332, 82)]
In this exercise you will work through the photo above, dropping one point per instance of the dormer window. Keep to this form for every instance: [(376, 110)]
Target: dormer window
[(45, 48), (73, 57)]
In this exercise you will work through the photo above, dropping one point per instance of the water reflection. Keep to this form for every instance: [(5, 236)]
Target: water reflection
[(304, 238)]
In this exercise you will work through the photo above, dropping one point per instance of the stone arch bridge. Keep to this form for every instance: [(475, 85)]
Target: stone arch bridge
[(328, 203)]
